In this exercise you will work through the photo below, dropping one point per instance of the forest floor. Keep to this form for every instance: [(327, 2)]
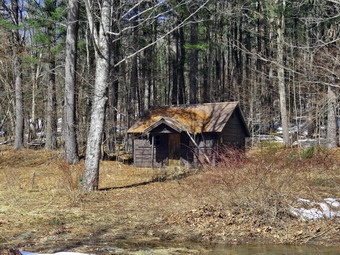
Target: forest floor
[(247, 200)]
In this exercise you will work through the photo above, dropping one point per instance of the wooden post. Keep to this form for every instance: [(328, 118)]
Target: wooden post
[(152, 149), (33, 177)]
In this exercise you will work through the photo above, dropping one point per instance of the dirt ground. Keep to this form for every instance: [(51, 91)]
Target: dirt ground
[(42, 206)]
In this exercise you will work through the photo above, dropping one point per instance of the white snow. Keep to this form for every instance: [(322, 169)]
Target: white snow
[(278, 139), (318, 210), (304, 200), (333, 201), (309, 142), (309, 214)]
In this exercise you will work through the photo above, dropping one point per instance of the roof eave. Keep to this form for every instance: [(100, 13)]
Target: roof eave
[(160, 122)]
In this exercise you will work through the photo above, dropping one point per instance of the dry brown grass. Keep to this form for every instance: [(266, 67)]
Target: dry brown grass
[(251, 198), (238, 197), (267, 184), (54, 204)]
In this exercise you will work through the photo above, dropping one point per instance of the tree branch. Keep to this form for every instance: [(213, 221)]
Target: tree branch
[(183, 23)]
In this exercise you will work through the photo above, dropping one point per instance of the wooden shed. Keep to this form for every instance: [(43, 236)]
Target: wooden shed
[(182, 135)]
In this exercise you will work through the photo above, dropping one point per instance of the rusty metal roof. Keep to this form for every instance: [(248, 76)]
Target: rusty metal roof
[(195, 118)]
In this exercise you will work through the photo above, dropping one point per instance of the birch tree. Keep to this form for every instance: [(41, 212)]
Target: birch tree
[(99, 98)]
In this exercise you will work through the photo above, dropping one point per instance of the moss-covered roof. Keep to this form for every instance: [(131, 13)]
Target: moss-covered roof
[(197, 118)]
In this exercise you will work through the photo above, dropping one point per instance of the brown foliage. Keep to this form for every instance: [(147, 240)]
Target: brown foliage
[(267, 185)]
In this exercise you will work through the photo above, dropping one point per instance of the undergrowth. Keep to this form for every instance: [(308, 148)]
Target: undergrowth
[(244, 192), (266, 185)]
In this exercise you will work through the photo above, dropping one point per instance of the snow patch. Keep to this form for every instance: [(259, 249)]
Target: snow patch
[(318, 210), (333, 201)]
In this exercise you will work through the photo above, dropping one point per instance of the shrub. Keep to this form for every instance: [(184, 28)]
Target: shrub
[(69, 176), (266, 185), (308, 153)]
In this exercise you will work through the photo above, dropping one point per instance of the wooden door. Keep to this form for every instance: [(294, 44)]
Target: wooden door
[(174, 149)]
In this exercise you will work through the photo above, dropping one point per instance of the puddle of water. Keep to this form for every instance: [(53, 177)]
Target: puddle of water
[(163, 248), (274, 250)]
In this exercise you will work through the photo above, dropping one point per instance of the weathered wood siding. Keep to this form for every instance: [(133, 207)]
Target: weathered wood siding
[(142, 155), (142, 152), (207, 145), (187, 154), (233, 133)]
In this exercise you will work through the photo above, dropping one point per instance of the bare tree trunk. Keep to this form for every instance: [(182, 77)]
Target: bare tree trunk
[(35, 79), (112, 114), (193, 74), (19, 115), (174, 63), (134, 82), (181, 64), (207, 69), (147, 82), (280, 74), (69, 120), (134, 78), (148, 79), (51, 110), (331, 118), (99, 99)]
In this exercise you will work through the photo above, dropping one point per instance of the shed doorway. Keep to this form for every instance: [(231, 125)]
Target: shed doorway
[(174, 150)]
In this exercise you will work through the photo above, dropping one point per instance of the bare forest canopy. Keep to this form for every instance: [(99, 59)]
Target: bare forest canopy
[(81, 72)]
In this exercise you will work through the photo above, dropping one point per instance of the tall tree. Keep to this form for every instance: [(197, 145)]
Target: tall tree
[(51, 109), (13, 12), (193, 74), (69, 119), (181, 66), (331, 118), (99, 97), (134, 76), (280, 29), (44, 24)]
